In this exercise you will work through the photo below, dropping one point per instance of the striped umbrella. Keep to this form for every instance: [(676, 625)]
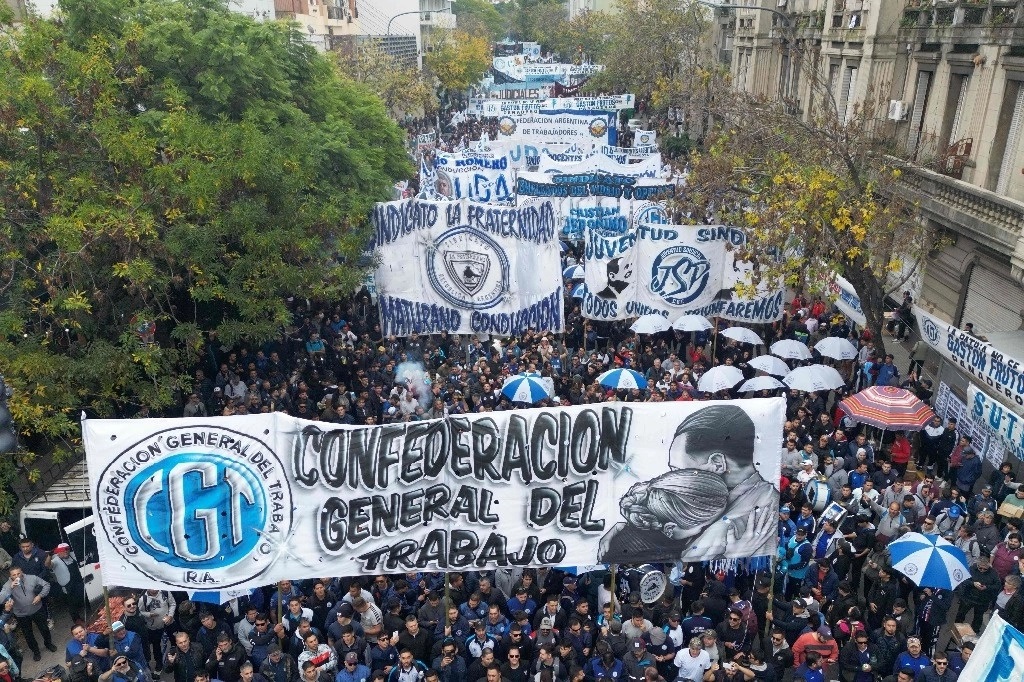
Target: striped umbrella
[(929, 560), (525, 388), (889, 408), (622, 378), (573, 272)]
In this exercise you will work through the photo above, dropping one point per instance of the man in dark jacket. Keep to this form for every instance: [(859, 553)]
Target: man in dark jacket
[(184, 659), (979, 593), (887, 644), (938, 671), (278, 666), (226, 660)]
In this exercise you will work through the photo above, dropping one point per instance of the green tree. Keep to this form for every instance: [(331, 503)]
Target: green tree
[(459, 59), (476, 16), (172, 162), (540, 21), (403, 89)]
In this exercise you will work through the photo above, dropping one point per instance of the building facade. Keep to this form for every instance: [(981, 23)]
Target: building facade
[(951, 73)]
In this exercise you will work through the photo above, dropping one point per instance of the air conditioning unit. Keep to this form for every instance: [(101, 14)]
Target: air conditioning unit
[(897, 110)]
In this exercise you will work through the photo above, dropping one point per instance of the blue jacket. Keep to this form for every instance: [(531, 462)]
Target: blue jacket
[(358, 674), (969, 473), (132, 647)]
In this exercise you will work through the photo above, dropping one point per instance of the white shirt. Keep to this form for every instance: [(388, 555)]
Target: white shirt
[(691, 668)]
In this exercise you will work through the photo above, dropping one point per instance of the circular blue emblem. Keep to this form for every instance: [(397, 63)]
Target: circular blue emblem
[(196, 510), (199, 507), (930, 331), (679, 275), (468, 269)]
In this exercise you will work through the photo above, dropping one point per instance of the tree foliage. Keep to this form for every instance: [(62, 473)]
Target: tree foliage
[(402, 88), (172, 162), (459, 59), (480, 17), (536, 20), (651, 44)]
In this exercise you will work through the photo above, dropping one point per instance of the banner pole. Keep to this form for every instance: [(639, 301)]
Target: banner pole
[(771, 592), (447, 593), (106, 606), (278, 601), (615, 600)]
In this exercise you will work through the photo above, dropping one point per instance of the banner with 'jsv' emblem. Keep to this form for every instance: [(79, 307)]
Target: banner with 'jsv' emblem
[(464, 267), (228, 503)]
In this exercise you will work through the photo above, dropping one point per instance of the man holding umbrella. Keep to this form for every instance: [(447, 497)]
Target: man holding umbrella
[(979, 593)]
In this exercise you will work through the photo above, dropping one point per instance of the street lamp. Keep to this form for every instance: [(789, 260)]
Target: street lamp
[(717, 5), (415, 11)]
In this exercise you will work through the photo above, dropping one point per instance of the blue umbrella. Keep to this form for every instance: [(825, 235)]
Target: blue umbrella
[(929, 560), (562, 246), (573, 272), (579, 291), (622, 379), (525, 388)]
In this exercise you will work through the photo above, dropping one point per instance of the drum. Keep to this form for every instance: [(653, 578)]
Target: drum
[(819, 495), (646, 579)]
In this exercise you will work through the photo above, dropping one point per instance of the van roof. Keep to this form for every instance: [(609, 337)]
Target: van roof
[(70, 490)]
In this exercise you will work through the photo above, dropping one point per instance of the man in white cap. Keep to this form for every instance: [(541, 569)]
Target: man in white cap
[(69, 579)]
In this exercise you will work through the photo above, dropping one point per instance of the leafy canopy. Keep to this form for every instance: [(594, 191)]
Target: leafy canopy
[(175, 162), (459, 59)]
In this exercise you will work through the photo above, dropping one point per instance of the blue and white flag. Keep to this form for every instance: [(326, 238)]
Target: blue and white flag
[(999, 654), (428, 181)]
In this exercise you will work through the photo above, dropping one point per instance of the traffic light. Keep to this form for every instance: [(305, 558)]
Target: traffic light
[(8, 436)]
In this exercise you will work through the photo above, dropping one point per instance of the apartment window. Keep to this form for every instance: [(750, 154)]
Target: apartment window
[(844, 106), (1008, 138), (833, 79), (956, 97), (924, 82)]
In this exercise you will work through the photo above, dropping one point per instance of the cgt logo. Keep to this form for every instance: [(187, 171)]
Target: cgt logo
[(930, 330), (197, 507)]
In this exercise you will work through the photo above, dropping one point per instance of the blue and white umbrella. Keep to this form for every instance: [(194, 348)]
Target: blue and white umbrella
[(622, 379), (579, 291), (562, 246), (573, 272), (525, 388), (929, 560)]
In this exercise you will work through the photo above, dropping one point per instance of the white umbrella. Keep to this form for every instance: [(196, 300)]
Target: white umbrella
[(761, 384), (650, 324), (743, 335), (769, 364), (691, 323), (721, 378), (791, 349), (813, 378), (835, 347)]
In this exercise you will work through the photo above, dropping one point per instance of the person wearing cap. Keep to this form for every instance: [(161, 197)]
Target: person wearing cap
[(913, 658), (352, 670), (124, 641), (979, 593), (983, 501), (636, 660), (123, 669), (807, 472), (819, 641), (787, 529), (569, 597), (969, 471)]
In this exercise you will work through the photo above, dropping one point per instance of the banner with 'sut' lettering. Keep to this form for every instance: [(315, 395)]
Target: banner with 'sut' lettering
[(467, 268), (1003, 374), (1007, 423), (239, 502)]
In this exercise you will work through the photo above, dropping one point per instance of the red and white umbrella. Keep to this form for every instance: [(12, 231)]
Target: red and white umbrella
[(889, 408)]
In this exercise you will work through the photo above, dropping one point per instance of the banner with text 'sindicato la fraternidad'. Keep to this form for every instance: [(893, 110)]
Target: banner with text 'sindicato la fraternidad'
[(237, 502)]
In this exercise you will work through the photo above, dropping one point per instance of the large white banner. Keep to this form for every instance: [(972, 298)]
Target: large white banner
[(650, 167), (502, 107), (609, 216), (1007, 424), (486, 177), (593, 185), (238, 502), (670, 270), (464, 267), (978, 358), (586, 130)]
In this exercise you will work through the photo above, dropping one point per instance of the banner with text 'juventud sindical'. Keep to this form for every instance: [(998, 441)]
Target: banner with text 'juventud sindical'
[(237, 502)]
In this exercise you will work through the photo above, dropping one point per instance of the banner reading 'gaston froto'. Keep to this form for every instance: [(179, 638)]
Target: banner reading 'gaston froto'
[(236, 502)]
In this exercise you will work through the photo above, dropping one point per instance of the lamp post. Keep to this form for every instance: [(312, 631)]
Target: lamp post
[(415, 11)]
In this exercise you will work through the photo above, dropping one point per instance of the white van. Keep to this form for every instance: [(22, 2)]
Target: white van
[(63, 513)]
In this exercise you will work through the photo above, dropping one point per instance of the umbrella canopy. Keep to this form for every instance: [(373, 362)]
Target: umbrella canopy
[(813, 378), (761, 384), (769, 364), (573, 272), (837, 348), (525, 388), (579, 291), (791, 349), (929, 560), (743, 335), (888, 407), (691, 323), (562, 246), (622, 378), (650, 324), (721, 378)]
